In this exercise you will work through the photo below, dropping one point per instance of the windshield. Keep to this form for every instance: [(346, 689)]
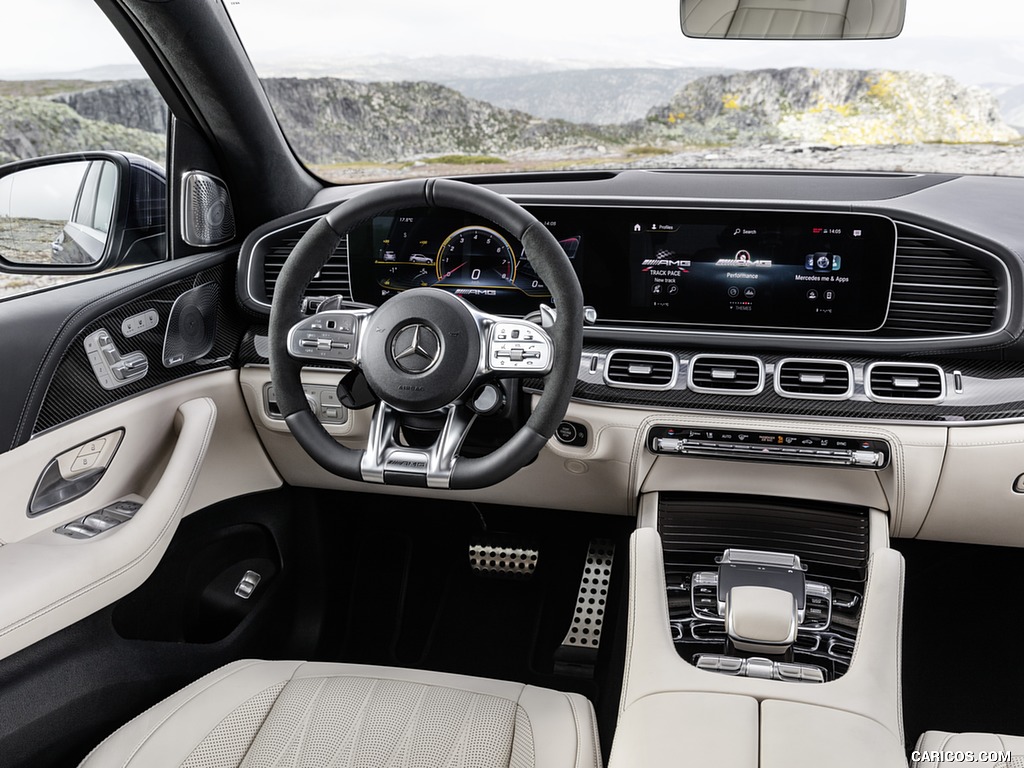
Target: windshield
[(399, 89)]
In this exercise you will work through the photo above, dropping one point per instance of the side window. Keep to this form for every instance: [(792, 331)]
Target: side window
[(76, 88)]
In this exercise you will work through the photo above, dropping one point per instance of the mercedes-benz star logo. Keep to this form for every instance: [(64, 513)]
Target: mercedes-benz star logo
[(415, 348)]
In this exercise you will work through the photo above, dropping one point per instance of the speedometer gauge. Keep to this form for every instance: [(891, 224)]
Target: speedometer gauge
[(476, 257)]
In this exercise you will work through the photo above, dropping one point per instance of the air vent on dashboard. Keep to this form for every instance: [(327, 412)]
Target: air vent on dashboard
[(332, 279), (730, 374), (905, 382), (940, 288), (639, 369), (818, 379)]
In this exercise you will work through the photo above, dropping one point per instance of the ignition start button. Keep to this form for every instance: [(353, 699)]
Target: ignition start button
[(571, 433)]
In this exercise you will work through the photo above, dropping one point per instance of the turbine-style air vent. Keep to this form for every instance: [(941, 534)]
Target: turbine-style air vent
[(814, 379), (331, 280), (940, 288), (905, 382), (640, 369), (728, 374)]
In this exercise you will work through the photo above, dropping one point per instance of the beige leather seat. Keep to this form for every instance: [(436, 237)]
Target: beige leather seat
[(937, 748), (291, 713)]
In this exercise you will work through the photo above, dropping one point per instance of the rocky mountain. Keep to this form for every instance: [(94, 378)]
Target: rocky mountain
[(829, 106), (600, 96), (30, 127), (131, 103), (334, 121)]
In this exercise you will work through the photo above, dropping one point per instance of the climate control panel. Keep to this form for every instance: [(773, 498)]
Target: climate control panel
[(785, 447)]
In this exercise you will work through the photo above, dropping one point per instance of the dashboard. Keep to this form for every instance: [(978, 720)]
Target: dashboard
[(783, 269), (863, 331)]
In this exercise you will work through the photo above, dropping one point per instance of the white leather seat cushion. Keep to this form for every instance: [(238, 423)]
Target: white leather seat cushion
[(967, 748), (263, 714)]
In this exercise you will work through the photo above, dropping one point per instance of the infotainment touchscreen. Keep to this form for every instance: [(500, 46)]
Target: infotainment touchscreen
[(761, 269)]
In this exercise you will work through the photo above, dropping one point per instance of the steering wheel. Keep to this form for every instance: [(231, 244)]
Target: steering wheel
[(425, 350)]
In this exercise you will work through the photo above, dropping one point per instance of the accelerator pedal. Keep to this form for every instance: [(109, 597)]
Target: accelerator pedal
[(577, 655), (503, 557)]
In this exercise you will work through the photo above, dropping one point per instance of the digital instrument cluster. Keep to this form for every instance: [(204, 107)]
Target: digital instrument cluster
[(452, 251)]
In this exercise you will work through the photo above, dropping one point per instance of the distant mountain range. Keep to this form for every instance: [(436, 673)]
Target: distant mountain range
[(544, 114), (599, 96)]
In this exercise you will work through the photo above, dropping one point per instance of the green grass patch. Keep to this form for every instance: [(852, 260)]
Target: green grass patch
[(648, 150), (464, 160)]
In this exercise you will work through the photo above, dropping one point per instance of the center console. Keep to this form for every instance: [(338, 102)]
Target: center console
[(727, 559), (762, 632)]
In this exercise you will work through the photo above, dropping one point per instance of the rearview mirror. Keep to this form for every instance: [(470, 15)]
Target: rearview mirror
[(792, 19), (81, 213)]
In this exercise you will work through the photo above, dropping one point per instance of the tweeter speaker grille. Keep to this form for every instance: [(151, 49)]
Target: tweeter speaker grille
[(206, 215), (191, 326)]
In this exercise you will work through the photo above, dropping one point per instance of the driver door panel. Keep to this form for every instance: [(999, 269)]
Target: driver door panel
[(183, 437)]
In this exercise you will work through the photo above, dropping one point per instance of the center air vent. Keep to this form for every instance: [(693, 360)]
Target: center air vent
[(814, 379), (905, 383), (940, 288), (274, 249), (640, 369), (729, 374)]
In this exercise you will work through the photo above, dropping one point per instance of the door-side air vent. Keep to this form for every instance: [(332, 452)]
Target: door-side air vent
[(814, 379), (905, 383), (940, 288), (639, 369), (727, 374), (331, 280)]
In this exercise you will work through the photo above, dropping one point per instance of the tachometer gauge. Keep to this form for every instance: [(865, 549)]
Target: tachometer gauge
[(476, 257)]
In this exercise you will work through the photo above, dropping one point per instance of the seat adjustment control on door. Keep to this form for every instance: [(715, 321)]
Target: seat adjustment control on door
[(113, 369)]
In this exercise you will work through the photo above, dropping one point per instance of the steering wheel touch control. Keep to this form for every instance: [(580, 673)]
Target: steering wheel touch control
[(426, 352)]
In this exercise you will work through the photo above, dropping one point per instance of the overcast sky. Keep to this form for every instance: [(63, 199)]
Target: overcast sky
[(68, 36)]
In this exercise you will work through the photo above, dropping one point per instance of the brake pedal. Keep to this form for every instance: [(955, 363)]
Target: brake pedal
[(577, 654), (506, 559)]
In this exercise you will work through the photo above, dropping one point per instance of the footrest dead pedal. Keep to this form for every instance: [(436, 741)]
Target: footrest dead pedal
[(577, 654)]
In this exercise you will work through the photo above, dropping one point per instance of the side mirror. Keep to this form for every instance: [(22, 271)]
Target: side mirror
[(792, 19), (81, 213)]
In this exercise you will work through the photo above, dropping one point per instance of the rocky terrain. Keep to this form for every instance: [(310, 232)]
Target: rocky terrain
[(335, 121), (30, 127), (132, 103), (831, 106)]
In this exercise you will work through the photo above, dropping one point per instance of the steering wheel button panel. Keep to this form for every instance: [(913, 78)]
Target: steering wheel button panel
[(519, 346), (330, 335)]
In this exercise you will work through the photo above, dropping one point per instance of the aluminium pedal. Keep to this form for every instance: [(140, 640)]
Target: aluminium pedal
[(503, 558), (577, 654)]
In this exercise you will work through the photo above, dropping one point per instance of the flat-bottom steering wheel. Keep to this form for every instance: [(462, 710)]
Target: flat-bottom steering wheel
[(425, 350)]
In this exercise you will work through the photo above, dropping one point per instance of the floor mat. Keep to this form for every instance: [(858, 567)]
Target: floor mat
[(961, 641), (408, 593)]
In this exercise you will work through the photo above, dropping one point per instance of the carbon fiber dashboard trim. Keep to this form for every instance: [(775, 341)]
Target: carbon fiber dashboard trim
[(74, 391), (992, 391)]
